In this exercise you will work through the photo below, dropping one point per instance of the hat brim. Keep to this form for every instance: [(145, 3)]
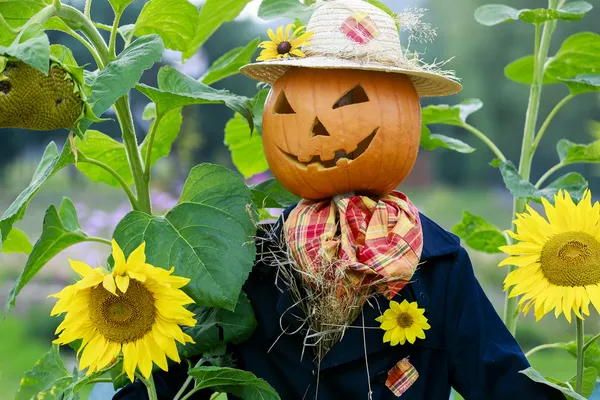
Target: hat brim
[(427, 83)]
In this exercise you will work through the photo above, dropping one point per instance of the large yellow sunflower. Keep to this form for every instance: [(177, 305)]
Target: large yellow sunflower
[(402, 322), (282, 45), (558, 259), (135, 310)]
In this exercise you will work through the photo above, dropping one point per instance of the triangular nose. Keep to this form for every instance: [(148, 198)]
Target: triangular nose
[(318, 129)]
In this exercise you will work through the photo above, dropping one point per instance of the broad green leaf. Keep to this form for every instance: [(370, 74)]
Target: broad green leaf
[(62, 54), (246, 150), (230, 63), (119, 5), (494, 14), (122, 74), (274, 9), (451, 115), (592, 354), (431, 141), (60, 231), (570, 12), (589, 381), (78, 382), (380, 4), (16, 13), (149, 112), (46, 380), (51, 163), (175, 21), (166, 133), (242, 384), (578, 55), (16, 242), (126, 32), (573, 182), (101, 147), (32, 47), (521, 71), (570, 152), (583, 83), (216, 327), (207, 237), (270, 194), (212, 15), (537, 377), (479, 234), (176, 90)]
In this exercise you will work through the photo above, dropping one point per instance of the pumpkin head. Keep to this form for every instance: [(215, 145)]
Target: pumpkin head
[(328, 131)]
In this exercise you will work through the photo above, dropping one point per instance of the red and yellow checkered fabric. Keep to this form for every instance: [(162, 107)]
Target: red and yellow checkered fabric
[(375, 241), (360, 28), (401, 377)]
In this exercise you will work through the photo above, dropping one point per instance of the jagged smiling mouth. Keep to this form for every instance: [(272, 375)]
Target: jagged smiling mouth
[(340, 158)]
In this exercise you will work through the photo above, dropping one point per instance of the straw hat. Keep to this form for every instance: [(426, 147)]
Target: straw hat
[(353, 34)]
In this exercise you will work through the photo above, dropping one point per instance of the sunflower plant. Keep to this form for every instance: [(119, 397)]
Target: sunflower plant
[(170, 286)]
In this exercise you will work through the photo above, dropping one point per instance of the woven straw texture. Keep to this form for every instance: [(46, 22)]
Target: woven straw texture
[(337, 44)]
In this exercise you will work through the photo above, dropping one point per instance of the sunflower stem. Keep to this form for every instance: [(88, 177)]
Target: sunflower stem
[(150, 387), (187, 382), (542, 44), (489, 142), (580, 355)]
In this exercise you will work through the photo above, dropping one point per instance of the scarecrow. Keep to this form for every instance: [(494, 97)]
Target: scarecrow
[(357, 295)]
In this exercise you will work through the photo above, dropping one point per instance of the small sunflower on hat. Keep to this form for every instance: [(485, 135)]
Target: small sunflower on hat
[(282, 45)]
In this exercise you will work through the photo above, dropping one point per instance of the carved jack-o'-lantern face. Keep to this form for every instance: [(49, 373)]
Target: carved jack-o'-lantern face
[(328, 132)]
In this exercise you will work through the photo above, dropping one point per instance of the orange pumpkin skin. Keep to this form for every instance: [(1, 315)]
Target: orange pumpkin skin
[(307, 129)]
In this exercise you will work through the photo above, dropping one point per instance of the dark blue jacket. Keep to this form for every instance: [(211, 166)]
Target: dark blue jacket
[(468, 347)]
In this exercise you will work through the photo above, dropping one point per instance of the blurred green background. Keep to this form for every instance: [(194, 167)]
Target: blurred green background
[(442, 185)]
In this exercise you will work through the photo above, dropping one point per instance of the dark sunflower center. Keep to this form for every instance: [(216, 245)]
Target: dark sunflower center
[(571, 259), (405, 320), (123, 318), (284, 47)]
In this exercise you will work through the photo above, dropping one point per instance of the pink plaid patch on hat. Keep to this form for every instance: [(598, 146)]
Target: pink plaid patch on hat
[(360, 28), (401, 377)]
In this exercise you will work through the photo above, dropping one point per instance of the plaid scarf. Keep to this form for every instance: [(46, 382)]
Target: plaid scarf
[(376, 242)]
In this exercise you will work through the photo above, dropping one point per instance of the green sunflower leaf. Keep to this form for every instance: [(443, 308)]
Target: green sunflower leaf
[(494, 14), (16, 242), (274, 9), (537, 377), (216, 327), (230, 63), (246, 149), (50, 164), (592, 354), (242, 384), (15, 13), (212, 15), (431, 141), (583, 83), (47, 379), (60, 230), (270, 194), (578, 55), (572, 182), (571, 153), (176, 90), (175, 21), (122, 74), (192, 236), (120, 5), (479, 234), (451, 115), (32, 47)]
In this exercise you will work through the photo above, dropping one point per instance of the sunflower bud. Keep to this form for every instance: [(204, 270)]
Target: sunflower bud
[(31, 100)]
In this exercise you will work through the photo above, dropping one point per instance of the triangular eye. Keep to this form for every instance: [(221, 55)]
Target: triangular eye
[(354, 96), (282, 106)]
